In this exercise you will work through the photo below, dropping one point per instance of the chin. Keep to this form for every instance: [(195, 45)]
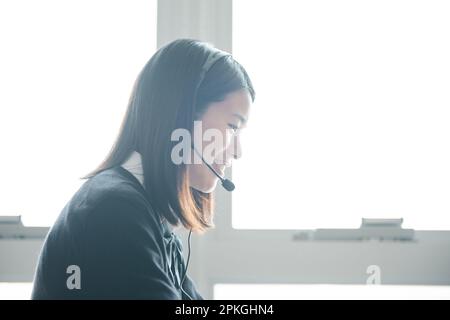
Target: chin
[(207, 187)]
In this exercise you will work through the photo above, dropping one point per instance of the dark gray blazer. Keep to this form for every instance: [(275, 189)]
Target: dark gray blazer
[(108, 243)]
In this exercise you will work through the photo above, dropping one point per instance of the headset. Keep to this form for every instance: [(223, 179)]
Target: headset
[(227, 184)]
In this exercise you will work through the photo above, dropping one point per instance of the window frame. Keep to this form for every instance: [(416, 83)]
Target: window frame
[(227, 255)]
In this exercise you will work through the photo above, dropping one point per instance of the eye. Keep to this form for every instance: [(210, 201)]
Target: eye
[(234, 127)]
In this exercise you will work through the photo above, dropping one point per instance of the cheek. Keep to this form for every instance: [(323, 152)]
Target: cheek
[(228, 142), (215, 144), (229, 147)]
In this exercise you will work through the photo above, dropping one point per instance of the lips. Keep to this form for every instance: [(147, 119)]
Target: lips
[(225, 165), (220, 169)]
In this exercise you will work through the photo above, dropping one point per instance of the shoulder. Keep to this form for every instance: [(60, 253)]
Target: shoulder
[(116, 191), (110, 185), (110, 200)]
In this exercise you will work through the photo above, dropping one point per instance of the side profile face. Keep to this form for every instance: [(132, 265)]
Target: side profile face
[(226, 118)]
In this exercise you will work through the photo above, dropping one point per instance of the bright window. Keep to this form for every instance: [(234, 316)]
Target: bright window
[(15, 290), (351, 117), (67, 70), (328, 291)]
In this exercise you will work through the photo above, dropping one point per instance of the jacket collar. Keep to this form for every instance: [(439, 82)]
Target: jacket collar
[(172, 242)]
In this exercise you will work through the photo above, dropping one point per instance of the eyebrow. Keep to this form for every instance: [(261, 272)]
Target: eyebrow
[(240, 117)]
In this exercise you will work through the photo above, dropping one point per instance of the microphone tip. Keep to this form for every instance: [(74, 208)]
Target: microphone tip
[(228, 185)]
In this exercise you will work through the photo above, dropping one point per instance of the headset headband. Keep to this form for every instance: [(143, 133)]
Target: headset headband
[(213, 57)]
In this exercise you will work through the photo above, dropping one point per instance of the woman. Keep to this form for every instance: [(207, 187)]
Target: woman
[(114, 239)]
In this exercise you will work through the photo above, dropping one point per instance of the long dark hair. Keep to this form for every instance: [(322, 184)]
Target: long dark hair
[(165, 97)]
